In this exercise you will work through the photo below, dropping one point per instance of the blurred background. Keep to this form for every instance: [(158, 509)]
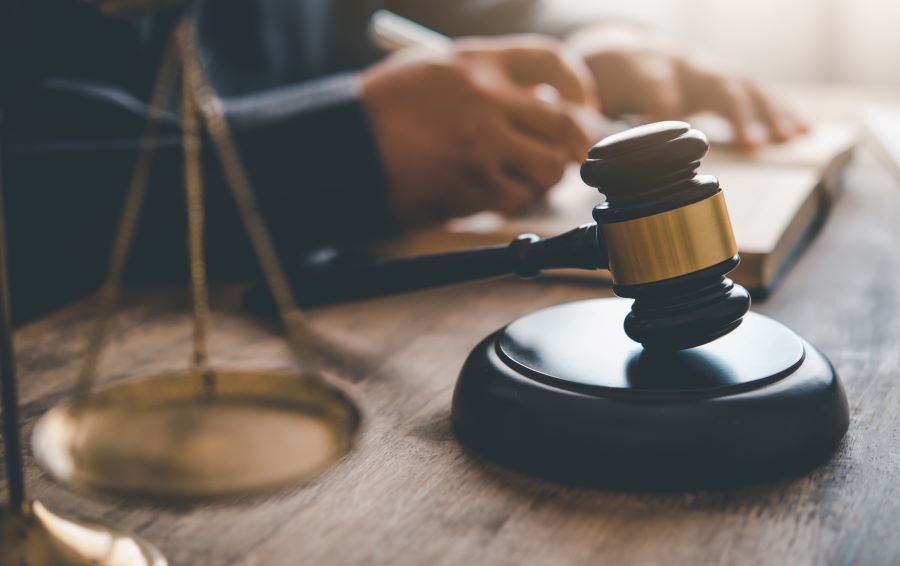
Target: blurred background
[(796, 40)]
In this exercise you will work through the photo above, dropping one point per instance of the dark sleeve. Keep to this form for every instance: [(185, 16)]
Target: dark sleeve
[(69, 133), (308, 148), (313, 158), (496, 17), (69, 149)]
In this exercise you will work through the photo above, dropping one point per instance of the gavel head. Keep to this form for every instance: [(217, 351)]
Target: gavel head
[(668, 235)]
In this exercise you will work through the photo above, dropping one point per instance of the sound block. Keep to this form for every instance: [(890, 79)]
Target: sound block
[(563, 393)]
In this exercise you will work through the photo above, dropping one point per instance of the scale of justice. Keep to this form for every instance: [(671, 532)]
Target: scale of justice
[(681, 388)]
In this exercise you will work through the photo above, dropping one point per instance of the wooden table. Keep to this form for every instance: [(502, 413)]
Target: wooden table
[(411, 495)]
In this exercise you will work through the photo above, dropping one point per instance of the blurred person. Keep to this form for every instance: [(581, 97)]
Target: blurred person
[(340, 141)]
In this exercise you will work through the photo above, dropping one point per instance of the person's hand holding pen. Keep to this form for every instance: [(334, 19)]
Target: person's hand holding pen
[(465, 126), (464, 129)]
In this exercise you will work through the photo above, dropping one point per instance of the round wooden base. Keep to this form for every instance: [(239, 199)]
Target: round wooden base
[(563, 393)]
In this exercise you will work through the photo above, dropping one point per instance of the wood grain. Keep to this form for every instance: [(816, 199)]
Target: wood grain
[(411, 495)]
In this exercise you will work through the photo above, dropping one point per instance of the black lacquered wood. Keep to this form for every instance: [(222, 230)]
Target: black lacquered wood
[(687, 311), (587, 354), (757, 405), (653, 166), (8, 387), (329, 277), (645, 171)]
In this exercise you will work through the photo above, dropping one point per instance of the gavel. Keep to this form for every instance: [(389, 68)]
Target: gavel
[(713, 396), (663, 231)]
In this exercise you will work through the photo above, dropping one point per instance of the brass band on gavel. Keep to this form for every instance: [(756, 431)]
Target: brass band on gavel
[(671, 243)]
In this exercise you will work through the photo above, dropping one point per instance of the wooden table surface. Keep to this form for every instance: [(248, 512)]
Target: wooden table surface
[(411, 495)]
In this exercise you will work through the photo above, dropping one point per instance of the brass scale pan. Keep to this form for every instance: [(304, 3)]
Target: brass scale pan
[(199, 432)]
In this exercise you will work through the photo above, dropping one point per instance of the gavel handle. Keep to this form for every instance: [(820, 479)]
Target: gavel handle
[(330, 279)]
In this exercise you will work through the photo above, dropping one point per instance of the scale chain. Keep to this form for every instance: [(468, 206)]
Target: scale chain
[(193, 185), (198, 97), (111, 290), (299, 335)]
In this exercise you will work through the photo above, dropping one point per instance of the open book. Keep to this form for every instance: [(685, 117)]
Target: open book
[(776, 197)]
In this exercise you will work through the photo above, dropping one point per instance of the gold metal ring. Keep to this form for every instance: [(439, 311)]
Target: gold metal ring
[(671, 243)]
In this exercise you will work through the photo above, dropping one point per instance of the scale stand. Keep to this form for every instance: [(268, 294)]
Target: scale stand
[(31, 534)]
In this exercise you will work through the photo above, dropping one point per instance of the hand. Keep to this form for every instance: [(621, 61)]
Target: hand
[(643, 74), (466, 130)]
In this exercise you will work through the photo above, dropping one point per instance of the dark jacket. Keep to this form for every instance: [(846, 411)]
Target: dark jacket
[(74, 102)]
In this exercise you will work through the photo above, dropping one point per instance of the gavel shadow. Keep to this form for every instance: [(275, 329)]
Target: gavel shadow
[(683, 370)]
